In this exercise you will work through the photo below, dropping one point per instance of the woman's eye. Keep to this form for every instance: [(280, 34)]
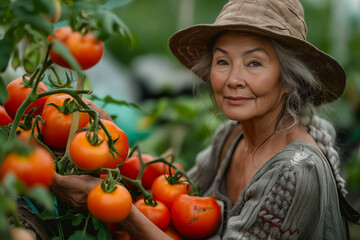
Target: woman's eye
[(222, 62), (255, 64)]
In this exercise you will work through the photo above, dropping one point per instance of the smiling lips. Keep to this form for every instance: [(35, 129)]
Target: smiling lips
[(232, 100)]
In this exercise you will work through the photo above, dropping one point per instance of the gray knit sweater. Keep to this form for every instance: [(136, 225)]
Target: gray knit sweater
[(292, 196)]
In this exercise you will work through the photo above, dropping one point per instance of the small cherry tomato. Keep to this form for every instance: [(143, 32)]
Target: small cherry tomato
[(166, 192), (159, 215), (109, 207), (86, 155), (57, 124), (86, 49), (38, 168), (5, 119), (18, 92), (195, 217)]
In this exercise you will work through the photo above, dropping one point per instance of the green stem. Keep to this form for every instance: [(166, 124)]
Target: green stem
[(86, 222)]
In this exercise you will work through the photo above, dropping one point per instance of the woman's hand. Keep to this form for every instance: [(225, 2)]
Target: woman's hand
[(74, 189)]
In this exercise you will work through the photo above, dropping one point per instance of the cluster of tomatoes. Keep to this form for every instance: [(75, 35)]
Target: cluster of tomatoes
[(166, 197), (168, 202)]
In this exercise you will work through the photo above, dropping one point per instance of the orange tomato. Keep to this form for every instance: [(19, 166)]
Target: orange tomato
[(109, 207), (86, 155)]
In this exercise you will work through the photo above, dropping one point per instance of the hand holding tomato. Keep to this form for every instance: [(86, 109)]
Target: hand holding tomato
[(74, 189)]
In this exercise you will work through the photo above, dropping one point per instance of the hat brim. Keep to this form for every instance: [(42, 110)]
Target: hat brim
[(190, 44)]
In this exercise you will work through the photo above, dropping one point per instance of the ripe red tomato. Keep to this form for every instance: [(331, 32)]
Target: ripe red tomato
[(87, 156), (17, 93), (122, 144), (5, 119), (112, 207), (195, 217), (57, 125), (86, 49), (132, 166), (159, 215), (165, 192), (173, 234), (38, 168)]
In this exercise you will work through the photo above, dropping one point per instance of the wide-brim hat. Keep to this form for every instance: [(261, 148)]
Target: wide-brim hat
[(278, 19)]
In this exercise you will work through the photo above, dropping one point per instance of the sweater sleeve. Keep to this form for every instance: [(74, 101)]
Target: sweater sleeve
[(279, 204)]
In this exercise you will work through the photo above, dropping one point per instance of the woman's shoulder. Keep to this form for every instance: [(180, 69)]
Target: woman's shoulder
[(302, 157)]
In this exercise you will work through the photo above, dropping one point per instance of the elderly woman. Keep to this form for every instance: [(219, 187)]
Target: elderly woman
[(273, 164)]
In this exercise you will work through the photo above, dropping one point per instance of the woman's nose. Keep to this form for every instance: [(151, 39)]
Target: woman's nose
[(236, 78)]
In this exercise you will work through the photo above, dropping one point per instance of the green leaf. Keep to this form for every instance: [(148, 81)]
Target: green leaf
[(3, 92), (5, 53), (48, 215), (42, 196), (109, 99), (25, 14), (102, 229), (44, 6), (81, 235), (64, 52), (116, 3), (78, 218)]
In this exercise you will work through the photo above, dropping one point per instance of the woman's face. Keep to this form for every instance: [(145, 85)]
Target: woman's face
[(245, 76)]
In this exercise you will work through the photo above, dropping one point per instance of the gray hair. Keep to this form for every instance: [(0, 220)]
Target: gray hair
[(304, 88)]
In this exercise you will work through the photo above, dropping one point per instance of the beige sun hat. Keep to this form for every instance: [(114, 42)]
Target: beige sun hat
[(278, 19)]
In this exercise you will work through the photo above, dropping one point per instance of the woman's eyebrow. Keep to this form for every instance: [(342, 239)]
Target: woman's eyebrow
[(250, 51)]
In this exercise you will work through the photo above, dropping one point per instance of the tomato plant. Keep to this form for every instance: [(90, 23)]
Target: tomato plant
[(121, 144), (5, 119), (132, 165), (166, 191), (87, 155), (18, 92), (37, 168), (159, 214), (57, 124), (85, 48), (195, 217), (109, 207)]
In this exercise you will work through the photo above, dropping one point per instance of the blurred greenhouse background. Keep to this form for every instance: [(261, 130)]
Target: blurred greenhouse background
[(172, 117)]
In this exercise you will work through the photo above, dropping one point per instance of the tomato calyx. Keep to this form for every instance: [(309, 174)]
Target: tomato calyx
[(69, 106)]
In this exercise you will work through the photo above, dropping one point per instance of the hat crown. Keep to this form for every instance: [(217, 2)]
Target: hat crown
[(285, 17)]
